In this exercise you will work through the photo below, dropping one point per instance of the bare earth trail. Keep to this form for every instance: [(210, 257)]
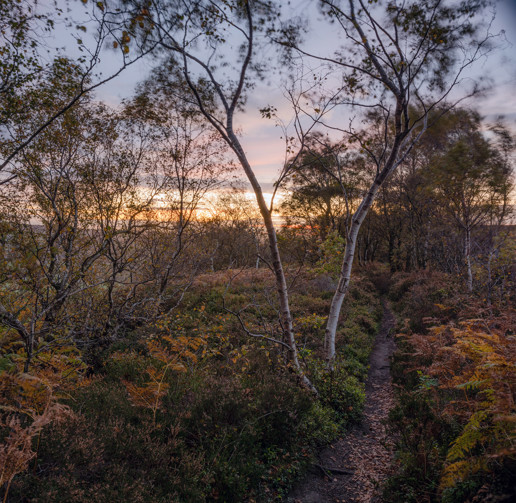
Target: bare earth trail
[(353, 468)]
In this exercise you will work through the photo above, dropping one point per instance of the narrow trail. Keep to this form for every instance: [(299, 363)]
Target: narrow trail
[(354, 467)]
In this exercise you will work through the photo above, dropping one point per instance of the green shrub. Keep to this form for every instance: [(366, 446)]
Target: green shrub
[(320, 426), (110, 451), (344, 393)]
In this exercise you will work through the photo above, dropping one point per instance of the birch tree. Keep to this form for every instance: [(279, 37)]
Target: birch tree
[(395, 56), (47, 257), (471, 180), (212, 48)]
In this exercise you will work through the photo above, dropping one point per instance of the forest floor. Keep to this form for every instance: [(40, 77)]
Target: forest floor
[(353, 468)]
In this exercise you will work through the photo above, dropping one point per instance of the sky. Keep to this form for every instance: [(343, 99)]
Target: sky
[(262, 140)]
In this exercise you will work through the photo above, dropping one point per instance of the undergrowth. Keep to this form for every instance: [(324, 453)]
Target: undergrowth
[(455, 413), (188, 409)]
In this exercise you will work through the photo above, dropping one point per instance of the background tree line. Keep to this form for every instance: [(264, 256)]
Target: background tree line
[(448, 207)]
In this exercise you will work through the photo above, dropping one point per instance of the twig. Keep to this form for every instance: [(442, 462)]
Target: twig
[(328, 471)]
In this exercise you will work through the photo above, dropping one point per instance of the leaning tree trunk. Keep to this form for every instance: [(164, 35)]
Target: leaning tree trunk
[(277, 267), (345, 273), (351, 242), (489, 278)]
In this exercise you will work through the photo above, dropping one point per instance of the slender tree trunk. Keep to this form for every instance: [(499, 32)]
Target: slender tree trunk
[(467, 253), (277, 267), (360, 255), (390, 253), (345, 272), (228, 134), (351, 242), (489, 278), (425, 249)]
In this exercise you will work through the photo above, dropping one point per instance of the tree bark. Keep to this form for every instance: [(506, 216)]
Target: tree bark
[(277, 266), (351, 241), (345, 272)]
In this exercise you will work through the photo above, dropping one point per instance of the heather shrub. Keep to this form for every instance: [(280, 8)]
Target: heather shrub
[(422, 295), (214, 437), (110, 451), (191, 409), (321, 425), (338, 390)]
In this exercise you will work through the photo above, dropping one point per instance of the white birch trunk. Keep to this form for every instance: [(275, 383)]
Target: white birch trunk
[(281, 282), (351, 242), (345, 272)]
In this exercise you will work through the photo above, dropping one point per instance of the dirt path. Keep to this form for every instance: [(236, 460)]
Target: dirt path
[(352, 469)]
